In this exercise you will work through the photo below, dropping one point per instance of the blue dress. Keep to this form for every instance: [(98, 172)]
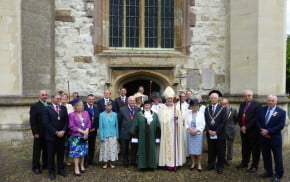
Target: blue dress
[(194, 142), (78, 147)]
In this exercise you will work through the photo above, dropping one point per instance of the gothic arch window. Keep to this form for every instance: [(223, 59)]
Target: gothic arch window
[(142, 23)]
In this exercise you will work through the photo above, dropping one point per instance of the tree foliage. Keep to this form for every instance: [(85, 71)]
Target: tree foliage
[(288, 66)]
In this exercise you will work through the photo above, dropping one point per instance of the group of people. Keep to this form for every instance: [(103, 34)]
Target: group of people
[(149, 134)]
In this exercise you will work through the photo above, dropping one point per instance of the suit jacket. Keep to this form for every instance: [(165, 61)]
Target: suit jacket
[(101, 106), (120, 103), (125, 121), (52, 124), (36, 123), (232, 120), (93, 116), (220, 121), (276, 122), (250, 115), (75, 123)]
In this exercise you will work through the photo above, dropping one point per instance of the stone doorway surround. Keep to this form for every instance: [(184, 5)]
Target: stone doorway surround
[(121, 75)]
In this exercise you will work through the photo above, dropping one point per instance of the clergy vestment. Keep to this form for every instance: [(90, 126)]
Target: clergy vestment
[(167, 148), (146, 127)]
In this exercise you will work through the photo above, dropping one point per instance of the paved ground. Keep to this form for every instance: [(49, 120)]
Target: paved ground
[(15, 165)]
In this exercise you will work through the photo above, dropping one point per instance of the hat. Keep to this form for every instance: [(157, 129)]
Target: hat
[(75, 101), (168, 93), (215, 91), (155, 94), (147, 102), (108, 103), (138, 94), (193, 102)]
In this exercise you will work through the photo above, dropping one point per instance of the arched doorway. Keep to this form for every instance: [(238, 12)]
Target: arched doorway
[(133, 86), (132, 79)]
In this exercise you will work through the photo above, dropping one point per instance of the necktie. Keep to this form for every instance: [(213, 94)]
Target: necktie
[(244, 114), (267, 117), (213, 109), (57, 109), (91, 109), (123, 100), (131, 112)]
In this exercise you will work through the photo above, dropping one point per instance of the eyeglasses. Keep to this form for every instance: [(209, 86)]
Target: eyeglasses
[(44, 95), (58, 98), (247, 95)]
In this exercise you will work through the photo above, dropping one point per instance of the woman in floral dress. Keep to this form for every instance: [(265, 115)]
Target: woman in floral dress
[(79, 125)]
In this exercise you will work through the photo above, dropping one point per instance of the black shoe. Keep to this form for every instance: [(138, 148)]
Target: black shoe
[(82, 171), (266, 175), (220, 171), (276, 179), (134, 164), (76, 174), (37, 171), (199, 170), (241, 165), (209, 168), (92, 163), (62, 173), (252, 170), (52, 175)]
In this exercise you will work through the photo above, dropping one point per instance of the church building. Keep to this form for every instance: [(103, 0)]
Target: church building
[(92, 45)]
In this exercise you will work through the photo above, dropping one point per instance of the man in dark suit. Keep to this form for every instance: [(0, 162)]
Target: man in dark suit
[(92, 110), (270, 122), (55, 121), (75, 95), (232, 120), (37, 128), (101, 107), (215, 118), (126, 116), (249, 132), (122, 100)]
